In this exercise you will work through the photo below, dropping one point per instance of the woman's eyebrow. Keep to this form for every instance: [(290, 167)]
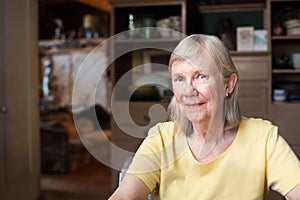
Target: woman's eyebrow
[(176, 73), (176, 76), (201, 70)]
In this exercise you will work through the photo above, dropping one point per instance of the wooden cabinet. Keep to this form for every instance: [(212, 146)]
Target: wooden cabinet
[(133, 47), (253, 84), (131, 23), (285, 41), (286, 116), (283, 44)]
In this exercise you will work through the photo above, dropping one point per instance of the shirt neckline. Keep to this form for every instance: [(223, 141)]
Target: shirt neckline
[(220, 156)]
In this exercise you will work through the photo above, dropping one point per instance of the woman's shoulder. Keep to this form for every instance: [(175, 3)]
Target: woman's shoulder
[(162, 127), (257, 125), (256, 121), (165, 131)]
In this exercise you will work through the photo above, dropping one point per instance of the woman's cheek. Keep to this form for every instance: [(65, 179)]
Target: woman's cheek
[(178, 95), (203, 89), (178, 92)]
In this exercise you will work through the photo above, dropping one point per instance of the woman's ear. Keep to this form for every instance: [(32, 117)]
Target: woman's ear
[(230, 85)]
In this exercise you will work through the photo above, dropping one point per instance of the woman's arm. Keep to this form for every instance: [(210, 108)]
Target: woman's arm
[(294, 194), (131, 188)]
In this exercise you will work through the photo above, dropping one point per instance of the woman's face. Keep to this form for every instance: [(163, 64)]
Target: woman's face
[(199, 88)]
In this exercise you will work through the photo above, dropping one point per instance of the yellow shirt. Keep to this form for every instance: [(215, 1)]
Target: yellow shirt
[(257, 159)]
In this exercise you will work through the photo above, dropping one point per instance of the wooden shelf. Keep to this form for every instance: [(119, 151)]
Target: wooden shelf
[(50, 47), (231, 7), (158, 43), (250, 53), (81, 40), (286, 37), (64, 51), (144, 3), (286, 71), (286, 103), (284, 0), (150, 40)]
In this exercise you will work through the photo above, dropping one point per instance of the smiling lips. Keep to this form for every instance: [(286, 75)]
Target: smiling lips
[(194, 105)]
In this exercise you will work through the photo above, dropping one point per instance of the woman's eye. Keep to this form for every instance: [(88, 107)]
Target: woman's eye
[(201, 76), (178, 78)]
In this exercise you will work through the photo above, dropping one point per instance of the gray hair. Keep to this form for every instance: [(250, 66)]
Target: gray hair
[(190, 48)]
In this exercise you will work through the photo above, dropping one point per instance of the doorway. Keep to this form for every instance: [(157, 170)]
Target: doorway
[(68, 171)]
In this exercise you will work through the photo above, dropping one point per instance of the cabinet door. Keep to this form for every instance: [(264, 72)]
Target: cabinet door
[(286, 117), (252, 68), (253, 101), (19, 133), (253, 84)]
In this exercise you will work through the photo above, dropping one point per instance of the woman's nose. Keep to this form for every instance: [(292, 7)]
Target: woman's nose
[(189, 89)]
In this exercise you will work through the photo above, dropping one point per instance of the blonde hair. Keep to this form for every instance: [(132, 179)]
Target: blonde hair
[(191, 47)]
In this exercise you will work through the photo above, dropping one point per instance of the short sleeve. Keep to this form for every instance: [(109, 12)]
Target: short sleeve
[(283, 167), (146, 162)]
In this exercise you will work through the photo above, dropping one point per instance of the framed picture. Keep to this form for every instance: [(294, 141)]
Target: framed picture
[(245, 38), (260, 40)]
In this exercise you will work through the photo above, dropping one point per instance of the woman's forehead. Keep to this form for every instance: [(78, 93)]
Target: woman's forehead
[(197, 63)]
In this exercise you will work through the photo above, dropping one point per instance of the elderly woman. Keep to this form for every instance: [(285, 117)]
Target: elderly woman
[(207, 150)]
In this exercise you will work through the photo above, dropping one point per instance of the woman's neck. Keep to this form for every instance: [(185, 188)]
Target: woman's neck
[(208, 148), (208, 129)]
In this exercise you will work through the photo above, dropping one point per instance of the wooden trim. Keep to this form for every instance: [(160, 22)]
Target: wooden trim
[(183, 17), (67, 50), (132, 3), (283, 1), (286, 37), (152, 40), (99, 4), (286, 103), (231, 7), (286, 71), (63, 51), (249, 53)]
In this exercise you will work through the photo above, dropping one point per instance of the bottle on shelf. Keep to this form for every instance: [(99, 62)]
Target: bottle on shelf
[(131, 25)]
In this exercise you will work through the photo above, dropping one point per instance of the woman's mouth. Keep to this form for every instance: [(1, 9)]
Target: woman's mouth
[(194, 105)]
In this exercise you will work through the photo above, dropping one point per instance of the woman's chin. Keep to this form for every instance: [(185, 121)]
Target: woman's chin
[(196, 117)]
